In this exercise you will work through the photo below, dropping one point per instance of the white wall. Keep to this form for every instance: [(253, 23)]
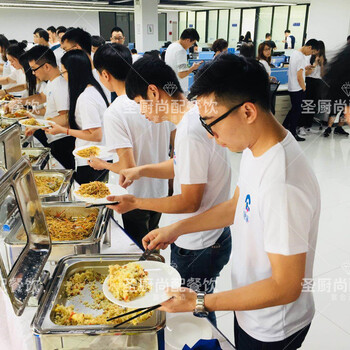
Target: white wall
[(20, 24), (172, 17), (329, 21)]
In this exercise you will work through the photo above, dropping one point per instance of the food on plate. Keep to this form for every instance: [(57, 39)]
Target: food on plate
[(31, 122), (8, 97), (47, 184), (128, 282), (88, 152), (74, 287), (95, 189), (19, 113)]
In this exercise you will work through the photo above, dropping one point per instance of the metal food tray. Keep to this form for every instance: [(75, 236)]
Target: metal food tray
[(91, 245), (43, 154), (64, 192), (43, 320)]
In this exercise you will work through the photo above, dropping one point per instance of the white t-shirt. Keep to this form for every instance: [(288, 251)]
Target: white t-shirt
[(89, 112), (105, 90), (19, 77), (176, 58), (316, 73), (266, 66), (296, 63), (57, 99), (277, 212), (7, 71), (199, 160), (59, 52), (126, 127)]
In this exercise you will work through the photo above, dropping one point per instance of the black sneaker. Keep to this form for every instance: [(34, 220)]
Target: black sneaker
[(298, 138), (327, 132), (340, 131)]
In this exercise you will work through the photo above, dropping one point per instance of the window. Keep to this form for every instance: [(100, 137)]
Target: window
[(182, 22), (279, 25), (201, 25), (264, 25), (162, 29), (235, 20), (223, 24), (248, 22), (191, 19), (297, 23), (212, 26)]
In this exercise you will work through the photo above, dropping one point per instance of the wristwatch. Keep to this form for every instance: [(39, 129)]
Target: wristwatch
[(200, 310)]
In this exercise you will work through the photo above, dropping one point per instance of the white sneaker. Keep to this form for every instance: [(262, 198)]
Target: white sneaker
[(302, 131)]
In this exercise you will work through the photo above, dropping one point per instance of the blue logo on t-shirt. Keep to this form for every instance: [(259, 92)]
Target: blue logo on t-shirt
[(246, 210)]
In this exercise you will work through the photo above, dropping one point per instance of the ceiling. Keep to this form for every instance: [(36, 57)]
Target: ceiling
[(128, 5)]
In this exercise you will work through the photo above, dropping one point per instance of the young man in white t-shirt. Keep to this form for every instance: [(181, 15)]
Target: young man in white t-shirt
[(176, 56), (43, 64), (296, 85), (135, 140), (275, 212), (200, 170)]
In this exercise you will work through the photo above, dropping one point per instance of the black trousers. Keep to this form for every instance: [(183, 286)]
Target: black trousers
[(86, 174), (313, 91), (294, 115), (137, 223), (244, 341), (62, 150)]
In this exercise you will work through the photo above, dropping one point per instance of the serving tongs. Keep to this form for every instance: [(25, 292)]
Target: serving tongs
[(94, 205)]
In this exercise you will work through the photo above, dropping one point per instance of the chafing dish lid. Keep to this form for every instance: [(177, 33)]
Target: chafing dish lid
[(18, 183), (10, 146)]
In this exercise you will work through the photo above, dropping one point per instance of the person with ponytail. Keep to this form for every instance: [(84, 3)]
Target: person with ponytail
[(87, 104)]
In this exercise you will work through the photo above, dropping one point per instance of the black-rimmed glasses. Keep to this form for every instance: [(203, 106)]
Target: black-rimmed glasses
[(207, 127), (35, 69)]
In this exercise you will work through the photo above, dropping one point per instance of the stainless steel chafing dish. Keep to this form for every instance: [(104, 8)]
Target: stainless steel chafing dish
[(16, 238), (27, 141), (10, 146), (64, 192), (41, 155), (26, 279)]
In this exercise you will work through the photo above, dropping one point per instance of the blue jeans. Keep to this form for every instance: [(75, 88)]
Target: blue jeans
[(200, 268)]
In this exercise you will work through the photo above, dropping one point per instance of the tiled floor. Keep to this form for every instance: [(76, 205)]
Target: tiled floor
[(330, 159)]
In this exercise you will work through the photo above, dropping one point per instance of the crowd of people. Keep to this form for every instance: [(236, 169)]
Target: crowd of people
[(141, 108)]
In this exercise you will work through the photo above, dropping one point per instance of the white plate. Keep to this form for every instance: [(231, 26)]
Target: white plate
[(103, 152), (43, 124), (115, 190), (186, 329), (160, 277)]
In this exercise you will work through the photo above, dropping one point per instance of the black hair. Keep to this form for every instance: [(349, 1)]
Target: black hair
[(44, 34), (241, 37), (248, 37), (313, 43), (4, 44), (152, 53), (219, 45), (190, 33), (247, 50), (115, 59), (80, 37), (287, 31), (42, 54), (267, 35), (321, 53), (51, 29), (13, 41), (78, 67), (117, 29), (16, 50), (148, 70), (133, 51), (338, 75), (61, 29), (37, 29), (348, 38), (97, 41), (30, 77), (233, 79)]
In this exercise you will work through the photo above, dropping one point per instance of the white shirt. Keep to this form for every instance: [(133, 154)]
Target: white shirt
[(176, 58), (89, 112), (7, 70), (289, 42), (57, 99), (59, 52), (199, 160), (277, 212), (126, 127), (105, 90), (19, 77), (316, 72), (266, 66), (296, 63), (135, 57)]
